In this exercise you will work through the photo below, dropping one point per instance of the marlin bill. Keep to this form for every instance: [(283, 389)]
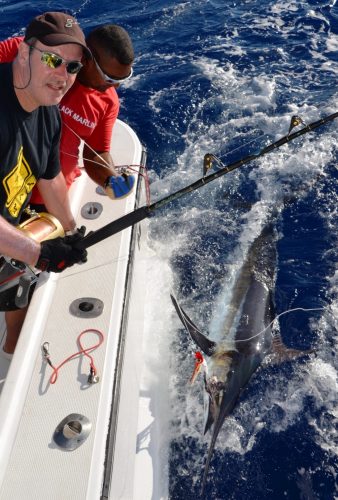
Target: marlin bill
[(246, 338)]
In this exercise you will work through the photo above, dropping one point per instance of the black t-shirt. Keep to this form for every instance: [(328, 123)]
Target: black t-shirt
[(29, 147)]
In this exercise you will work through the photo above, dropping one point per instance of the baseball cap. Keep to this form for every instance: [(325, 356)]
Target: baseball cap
[(56, 28)]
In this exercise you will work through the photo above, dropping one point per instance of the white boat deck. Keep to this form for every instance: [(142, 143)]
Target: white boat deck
[(32, 466)]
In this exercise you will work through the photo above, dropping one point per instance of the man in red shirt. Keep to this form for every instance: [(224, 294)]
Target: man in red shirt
[(90, 108)]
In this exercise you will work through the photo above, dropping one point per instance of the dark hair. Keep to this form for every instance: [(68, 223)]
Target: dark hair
[(114, 41)]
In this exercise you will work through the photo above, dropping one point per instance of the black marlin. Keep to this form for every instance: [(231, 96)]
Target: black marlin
[(247, 336)]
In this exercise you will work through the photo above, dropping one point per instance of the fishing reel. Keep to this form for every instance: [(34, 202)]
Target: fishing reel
[(41, 226)]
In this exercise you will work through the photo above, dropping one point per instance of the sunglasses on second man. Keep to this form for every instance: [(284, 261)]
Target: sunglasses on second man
[(112, 80), (54, 61)]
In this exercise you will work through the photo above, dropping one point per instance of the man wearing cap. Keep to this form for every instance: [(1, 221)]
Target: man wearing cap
[(89, 110), (45, 68)]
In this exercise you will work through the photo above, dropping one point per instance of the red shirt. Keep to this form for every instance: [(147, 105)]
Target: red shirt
[(87, 112)]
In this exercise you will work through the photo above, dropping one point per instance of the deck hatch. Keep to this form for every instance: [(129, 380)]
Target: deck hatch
[(72, 431), (91, 210), (86, 307)]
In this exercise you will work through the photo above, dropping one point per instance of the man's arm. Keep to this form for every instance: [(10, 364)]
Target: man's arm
[(99, 143), (9, 49), (115, 185), (55, 195), (98, 166), (15, 244)]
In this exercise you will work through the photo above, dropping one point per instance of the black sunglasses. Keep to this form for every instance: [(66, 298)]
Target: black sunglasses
[(54, 61)]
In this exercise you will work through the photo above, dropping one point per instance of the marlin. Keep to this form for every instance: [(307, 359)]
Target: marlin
[(247, 337)]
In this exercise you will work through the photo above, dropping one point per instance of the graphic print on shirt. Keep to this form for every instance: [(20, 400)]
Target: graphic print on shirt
[(84, 121), (18, 184)]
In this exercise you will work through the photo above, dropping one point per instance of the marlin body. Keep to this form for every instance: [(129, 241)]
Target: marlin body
[(246, 337)]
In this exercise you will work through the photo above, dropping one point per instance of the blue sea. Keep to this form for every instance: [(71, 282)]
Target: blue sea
[(225, 77)]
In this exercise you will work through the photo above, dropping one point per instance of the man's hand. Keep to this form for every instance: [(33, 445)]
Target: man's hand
[(120, 186), (60, 253), (75, 235)]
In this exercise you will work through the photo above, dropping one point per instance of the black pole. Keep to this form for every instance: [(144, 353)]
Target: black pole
[(145, 211)]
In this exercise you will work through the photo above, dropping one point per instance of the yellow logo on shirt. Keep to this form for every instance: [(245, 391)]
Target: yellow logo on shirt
[(18, 184)]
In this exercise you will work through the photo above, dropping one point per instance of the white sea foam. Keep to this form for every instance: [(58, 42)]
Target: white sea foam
[(247, 102), (319, 378)]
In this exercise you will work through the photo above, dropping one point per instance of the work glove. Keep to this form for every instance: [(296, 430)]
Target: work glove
[(120, 186), (60, 253), (74, 236)]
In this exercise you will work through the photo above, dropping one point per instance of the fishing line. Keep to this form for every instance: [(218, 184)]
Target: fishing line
[(108, 166), (146, 211), (30, 72), (278, 316), (89, 147), (132, 167), (241, 146), (105, 163), (185, 320), (199, 356), (82, 6), (122, 258), (295, 121)]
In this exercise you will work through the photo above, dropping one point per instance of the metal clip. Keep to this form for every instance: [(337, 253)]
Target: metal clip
[(92, 377), (45, 349), (45, 353)]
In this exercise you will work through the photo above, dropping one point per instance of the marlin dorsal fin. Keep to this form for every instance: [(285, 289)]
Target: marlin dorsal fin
[(282, 353), (205, 344)]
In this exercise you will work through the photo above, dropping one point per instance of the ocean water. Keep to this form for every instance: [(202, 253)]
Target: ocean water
[(225, 77)]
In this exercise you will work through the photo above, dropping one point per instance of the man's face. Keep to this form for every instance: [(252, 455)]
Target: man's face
[(48, 84), (106, 69)]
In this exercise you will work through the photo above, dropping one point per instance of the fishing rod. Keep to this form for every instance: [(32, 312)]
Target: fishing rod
[(145, 211), (20, 274)]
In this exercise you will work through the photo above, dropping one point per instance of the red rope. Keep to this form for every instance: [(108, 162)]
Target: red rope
[(143, 172), (83, 351)]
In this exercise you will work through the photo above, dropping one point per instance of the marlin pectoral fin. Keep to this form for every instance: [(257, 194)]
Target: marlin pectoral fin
[(282, 353), (205, 344)]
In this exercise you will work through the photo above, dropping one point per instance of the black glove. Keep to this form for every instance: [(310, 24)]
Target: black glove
[(75, 236), (58, 254)]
